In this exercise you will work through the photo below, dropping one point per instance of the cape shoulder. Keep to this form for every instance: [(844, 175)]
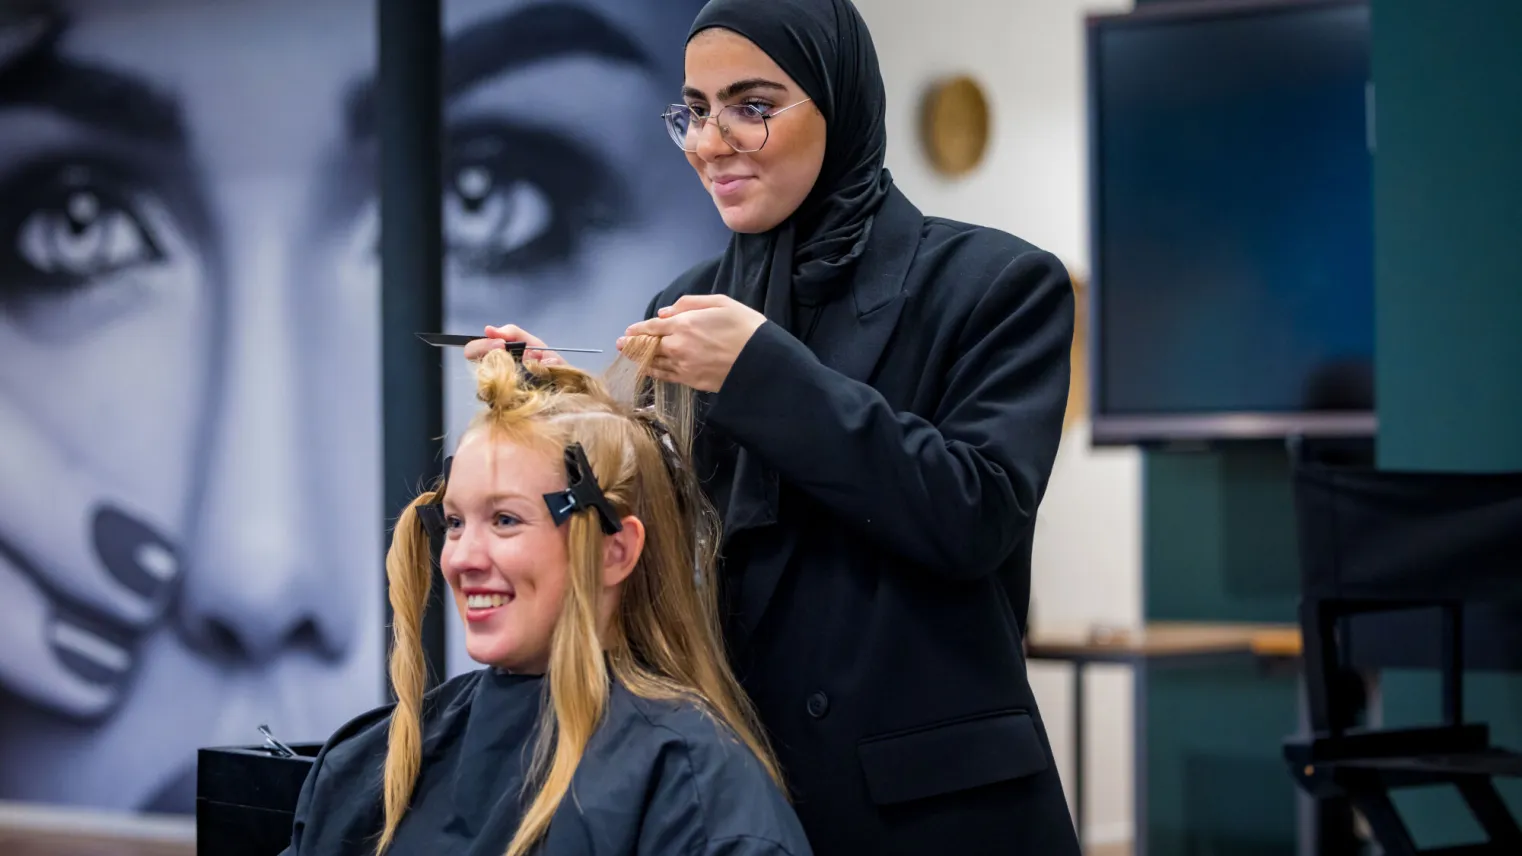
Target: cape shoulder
[(365, 735)]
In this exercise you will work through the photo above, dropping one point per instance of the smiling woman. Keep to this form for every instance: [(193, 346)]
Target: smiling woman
[(579, 551), (756, 180)]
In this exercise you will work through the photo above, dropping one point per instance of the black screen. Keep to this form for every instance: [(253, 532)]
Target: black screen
[(1233, 204)]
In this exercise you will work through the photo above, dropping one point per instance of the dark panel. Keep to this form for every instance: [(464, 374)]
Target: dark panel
[(1219, 535), (412, 264), (1216, 782), (1448, 265), (1218, 820)]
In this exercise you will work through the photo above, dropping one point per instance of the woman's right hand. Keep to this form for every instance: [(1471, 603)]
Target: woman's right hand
[(498, 337)]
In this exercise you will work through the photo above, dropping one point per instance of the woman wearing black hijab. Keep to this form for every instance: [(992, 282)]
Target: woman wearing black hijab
[(884, 399)]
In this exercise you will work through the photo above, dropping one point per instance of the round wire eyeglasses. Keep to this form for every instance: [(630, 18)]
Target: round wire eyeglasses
[(743, 127)]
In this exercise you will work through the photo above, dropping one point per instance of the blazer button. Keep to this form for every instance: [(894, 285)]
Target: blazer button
[(819, 705)]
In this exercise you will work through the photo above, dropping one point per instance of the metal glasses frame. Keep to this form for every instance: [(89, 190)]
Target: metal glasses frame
[(702, 120)]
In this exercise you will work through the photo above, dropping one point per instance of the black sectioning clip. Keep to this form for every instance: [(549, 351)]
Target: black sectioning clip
[(516, 349), (667, 443), (432, 516), (583, 493)]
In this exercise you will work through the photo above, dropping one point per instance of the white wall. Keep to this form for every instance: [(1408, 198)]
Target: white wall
[(1028, 56)]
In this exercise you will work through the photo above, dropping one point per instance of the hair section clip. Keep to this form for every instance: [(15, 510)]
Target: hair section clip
[(664, 440), (582, 494), (662, 434), (431, 515), (432, 518), (515, 350)]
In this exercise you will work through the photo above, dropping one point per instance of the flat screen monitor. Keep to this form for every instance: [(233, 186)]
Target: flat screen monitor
[(1232, 282)]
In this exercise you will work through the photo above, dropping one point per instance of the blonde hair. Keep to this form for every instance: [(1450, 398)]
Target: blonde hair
[(664, 641)]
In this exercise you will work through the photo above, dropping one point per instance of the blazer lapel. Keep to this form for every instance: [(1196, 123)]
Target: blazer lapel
[(753, 503), (877, 290)]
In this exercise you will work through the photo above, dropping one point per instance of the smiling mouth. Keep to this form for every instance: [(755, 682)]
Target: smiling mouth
[(90, 647), (479, 607), (94, 647), (99, 649), (730, 184)]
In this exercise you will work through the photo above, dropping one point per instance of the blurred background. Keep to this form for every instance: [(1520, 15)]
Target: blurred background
[(1287, 223)]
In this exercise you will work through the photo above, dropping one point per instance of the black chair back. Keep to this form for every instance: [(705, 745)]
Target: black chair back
[(1395, 569)]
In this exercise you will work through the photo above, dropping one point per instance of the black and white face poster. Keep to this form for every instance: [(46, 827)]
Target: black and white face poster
[(191, 527)]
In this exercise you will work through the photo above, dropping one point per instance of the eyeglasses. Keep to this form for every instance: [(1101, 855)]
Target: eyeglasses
[(743, 127)]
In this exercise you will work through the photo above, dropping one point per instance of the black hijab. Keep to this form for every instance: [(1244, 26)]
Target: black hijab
[(825, 47)]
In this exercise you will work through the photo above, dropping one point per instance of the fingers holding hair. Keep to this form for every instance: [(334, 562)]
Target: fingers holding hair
[(478, 348), (664, 370), (652, 327), (497, 338), (689, 302)]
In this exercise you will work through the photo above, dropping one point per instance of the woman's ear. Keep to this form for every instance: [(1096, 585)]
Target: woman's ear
[(621, 551)]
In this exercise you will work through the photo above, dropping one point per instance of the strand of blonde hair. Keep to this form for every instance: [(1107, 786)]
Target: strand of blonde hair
[(409, 577)]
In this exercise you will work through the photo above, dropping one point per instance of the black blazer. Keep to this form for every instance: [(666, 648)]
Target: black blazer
[(884, 578)]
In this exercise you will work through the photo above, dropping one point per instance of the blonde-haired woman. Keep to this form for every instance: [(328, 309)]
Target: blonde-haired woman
[(569, 527)]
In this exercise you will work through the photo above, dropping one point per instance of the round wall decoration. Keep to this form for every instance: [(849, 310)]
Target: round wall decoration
[(954, 124)]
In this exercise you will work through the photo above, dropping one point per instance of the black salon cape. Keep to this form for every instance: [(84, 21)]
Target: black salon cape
[(878, 585), (658, 778)]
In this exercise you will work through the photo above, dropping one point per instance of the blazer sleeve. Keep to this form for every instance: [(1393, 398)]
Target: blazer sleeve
[(956, 493)]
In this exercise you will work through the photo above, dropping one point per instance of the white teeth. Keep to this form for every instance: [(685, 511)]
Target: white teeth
[(484, 601)]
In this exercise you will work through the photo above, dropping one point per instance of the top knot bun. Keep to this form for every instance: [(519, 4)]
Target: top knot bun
[(510, 388), (498, 384)]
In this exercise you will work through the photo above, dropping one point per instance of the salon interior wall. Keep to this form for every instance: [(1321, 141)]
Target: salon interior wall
[(1028, 56)]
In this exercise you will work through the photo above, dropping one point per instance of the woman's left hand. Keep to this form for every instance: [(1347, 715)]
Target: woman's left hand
[(701, 337)]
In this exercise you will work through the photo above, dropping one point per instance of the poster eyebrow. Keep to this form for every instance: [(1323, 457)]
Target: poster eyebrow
[(37, 76), (508, 42)]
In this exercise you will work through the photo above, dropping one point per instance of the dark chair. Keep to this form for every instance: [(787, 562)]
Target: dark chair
[(1382, 542), (246, 798)]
